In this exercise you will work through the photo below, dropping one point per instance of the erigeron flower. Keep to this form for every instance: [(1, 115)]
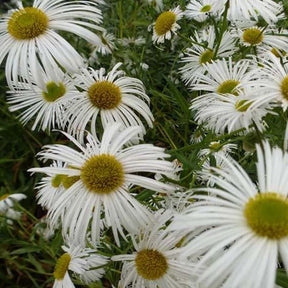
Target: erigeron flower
[(202, 52), (28, 35), (275, 81), (155, 262), (114, 97), (199, 10), (261, 38), (225, 76), (241, 226), (166, 25), (106, 171), (7, 201), (106, 46), (216, 150), (83, 262), (228, 112), (270, 10), (43, 100)]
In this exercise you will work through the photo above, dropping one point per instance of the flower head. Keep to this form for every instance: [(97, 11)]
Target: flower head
[(105, 172), (114, 97), (81, 261), (155, 262), (241, 222), (44, 99), (28, 35), (166, 24)]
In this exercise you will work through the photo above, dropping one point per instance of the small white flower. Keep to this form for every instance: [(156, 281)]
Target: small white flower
[(7, 201), (106, 46), (261, 38), (28, 35), (227, 113), (241, 227), (155, 262), (199, 10), (106, 171), (203, 51), (81, 261), (45, 98), (114, 97), (166, 25), (225, 76)]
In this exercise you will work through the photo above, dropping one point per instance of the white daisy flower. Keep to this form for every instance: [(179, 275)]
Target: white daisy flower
[(203, 52), (116, 97), (106, 172), (7, 201), (166, 25), (262, 38), (27, 34), (218, 151), (45, 98), (268, 9), (227, 113), (243, 224), (139, 41), (225, 76), (275, 81), (106, 46), (81, 261), (199, 10), (155, 262)]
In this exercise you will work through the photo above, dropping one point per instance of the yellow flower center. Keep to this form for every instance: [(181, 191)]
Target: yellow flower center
[(102, 174), (267, 215), (56, 180), (104, 95), (253, 36), (27, 23), (284, 87), (151, 264), (3, 197), (215, 146), (54, 91), (243, 105), (164, 22), (206, 8), (67, 181), (228, 86), (62, 266), (206, 56)]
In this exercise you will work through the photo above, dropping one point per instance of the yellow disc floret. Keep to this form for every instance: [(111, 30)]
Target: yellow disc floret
[(62, 266), (206, 8), (243, 105), (54, 91), (104, 95), (284, 87), (151, 264), (68, 181), (228, 86), (27, 23), (253, 36), (267, 215), (206, 56), (102, 174), (164, 22), (56, 180)]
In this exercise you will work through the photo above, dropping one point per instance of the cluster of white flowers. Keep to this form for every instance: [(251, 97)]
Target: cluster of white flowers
[(227, 234)]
